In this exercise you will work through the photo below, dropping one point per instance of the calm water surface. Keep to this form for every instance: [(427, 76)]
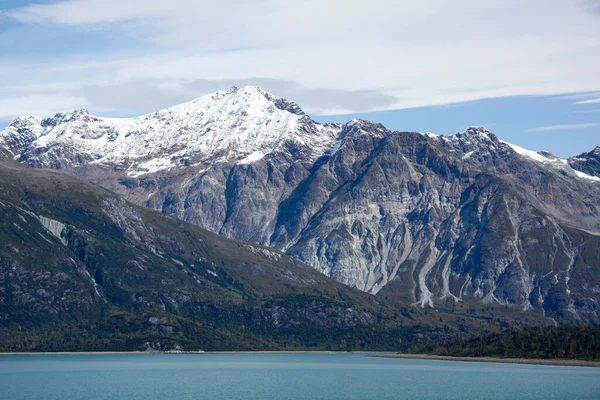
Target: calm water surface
[(284, 376)]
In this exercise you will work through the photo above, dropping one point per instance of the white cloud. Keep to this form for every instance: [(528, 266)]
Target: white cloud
[(589, 101), (336, 56), (563, 127), (578, 96), (41, 105), (321, 101), (138, 97), (81, 12), (133, 98)]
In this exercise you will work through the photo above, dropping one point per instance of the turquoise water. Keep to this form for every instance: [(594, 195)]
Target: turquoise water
[(284, 376)]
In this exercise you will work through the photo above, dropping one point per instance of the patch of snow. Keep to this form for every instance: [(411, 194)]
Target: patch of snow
[(466, 156), (586, 176), (557, 162), (151, 166), (54, 227), (45, 238), (527, 153), (336, 147), (268, 254), (213, 273), (94, 284), (252, 158)]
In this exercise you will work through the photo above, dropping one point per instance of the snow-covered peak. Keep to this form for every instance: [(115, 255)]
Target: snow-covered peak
[(478, 144), (240, 125), (474, 133), (477, 130), (19, 134), (358, 126), (551, 160), (476, 140), (25, 121), (430, 135)]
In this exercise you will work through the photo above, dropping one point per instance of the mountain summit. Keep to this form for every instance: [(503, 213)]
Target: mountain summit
[(240, 126)]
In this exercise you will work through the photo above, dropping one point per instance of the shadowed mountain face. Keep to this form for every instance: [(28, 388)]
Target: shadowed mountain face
[(425, 219), (588, 163)]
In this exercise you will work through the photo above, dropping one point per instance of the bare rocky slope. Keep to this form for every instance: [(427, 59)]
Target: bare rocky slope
[(428, 220)]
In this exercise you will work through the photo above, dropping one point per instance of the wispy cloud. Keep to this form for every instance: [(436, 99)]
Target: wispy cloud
[(577, 96), (314, 100), (589, 101), (566, 127), (586, 111), (42, 105), (139, 97), (405, 54)]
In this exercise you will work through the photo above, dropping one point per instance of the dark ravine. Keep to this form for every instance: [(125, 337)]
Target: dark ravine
[(433, 221)]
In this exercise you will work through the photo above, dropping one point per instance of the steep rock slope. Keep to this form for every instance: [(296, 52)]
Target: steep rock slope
[(82, 269), (428, 219)]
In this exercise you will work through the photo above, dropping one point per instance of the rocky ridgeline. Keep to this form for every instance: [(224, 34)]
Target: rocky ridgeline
[(427, 219)]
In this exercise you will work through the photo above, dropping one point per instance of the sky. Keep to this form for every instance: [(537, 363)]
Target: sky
[(528, 70)]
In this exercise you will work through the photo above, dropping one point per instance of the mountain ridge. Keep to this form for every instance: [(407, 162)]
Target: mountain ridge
[(81, 269), (239, 102), (439, 218)]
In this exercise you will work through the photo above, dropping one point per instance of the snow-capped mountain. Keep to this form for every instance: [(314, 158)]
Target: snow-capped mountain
[(426, 219), (239, 126), (480, 143)]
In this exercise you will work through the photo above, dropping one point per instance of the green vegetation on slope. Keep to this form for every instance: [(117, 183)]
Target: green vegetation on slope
[(580, 342)]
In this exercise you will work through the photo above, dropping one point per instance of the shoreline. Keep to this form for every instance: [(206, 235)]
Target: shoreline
[(70, 353), (498, 360), (375, 354)]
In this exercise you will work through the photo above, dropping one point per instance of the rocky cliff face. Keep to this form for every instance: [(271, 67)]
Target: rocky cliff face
[(588, 163), (82, 269), (428, 219)]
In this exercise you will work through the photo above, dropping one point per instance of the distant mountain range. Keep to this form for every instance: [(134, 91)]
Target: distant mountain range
[(432, 221)]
